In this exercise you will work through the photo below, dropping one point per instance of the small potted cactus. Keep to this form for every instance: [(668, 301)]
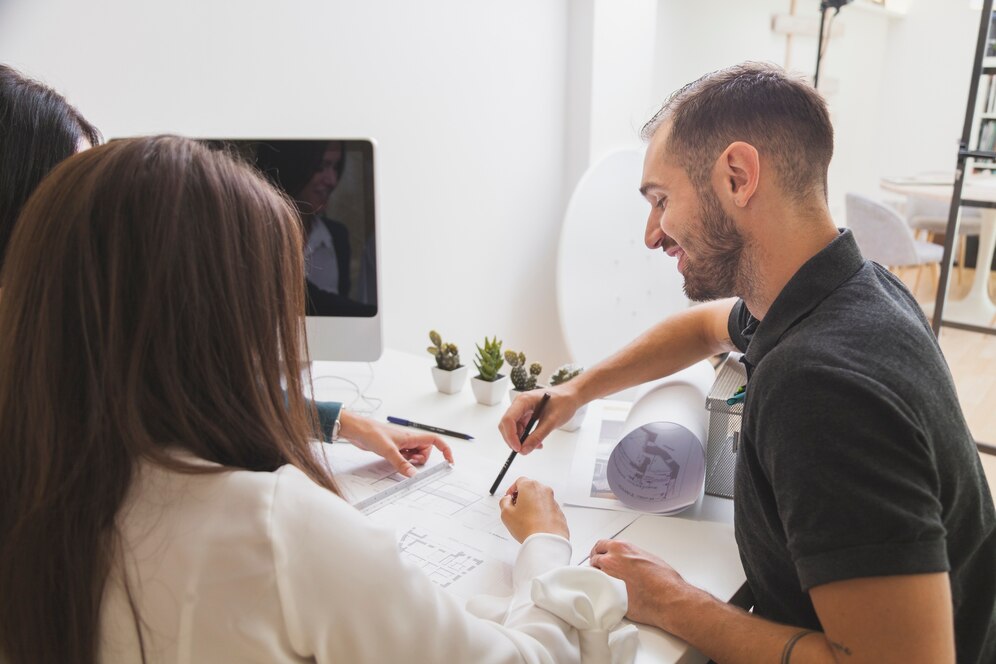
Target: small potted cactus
[(489, 385), (522, 380), (448, 373), (561, 376)]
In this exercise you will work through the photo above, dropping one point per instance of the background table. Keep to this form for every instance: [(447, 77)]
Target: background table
[(976, 308), (699, 542)]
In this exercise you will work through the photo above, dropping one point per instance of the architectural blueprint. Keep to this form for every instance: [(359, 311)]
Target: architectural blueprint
[(442, 564), (446, 523)]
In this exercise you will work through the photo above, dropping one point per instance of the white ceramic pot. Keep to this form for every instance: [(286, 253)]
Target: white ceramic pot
[(450, 382), (513, 393), (574, 423), (489, 393)]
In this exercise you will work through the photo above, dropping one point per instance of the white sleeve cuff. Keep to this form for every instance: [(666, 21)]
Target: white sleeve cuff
[(539, 553)]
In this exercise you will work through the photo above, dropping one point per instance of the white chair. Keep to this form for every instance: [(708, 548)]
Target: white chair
[(884, 237), (931, 217)]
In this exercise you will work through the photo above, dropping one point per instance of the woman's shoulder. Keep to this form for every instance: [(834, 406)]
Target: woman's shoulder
[(300, 504), (170, 514), (213, 493)]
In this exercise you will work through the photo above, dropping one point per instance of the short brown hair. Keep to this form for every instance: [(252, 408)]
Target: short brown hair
[(784, 117)]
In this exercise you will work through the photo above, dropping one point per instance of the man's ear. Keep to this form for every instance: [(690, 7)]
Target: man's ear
[(738, 170)]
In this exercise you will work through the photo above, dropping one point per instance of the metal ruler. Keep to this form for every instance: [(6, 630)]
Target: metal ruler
[(375, 502)]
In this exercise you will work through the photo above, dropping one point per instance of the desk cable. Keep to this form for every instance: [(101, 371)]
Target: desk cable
[(361, 403)]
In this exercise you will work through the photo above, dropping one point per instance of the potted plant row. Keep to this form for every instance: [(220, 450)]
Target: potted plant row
[(489, 385)]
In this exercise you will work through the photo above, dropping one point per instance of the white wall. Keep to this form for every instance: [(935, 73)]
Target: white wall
[(485, 113), (897, 85), (694, 38), (610, 63), (929, 64), (465, 99)]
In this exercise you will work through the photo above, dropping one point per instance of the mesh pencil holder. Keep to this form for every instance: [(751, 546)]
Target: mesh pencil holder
[(724, 427)]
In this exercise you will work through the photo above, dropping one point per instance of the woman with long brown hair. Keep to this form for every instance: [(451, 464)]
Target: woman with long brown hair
[(38, 130), (159, 496)]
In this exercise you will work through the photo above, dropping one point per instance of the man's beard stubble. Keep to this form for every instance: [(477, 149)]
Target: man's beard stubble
[(721, 267)]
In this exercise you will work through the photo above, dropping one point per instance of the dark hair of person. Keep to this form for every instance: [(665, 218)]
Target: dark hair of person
[(290, 164), (783, 117), (152, 302), (38, 129)]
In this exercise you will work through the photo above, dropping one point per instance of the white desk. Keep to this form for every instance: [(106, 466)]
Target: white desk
[(699, 542), (976, 308)]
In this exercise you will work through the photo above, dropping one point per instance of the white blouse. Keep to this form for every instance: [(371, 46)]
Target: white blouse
[(242, 566)]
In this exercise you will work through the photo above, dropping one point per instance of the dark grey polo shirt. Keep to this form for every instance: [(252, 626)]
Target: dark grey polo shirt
[(855, 459)]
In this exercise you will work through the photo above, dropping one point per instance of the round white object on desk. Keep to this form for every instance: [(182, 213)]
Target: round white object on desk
[(659, 464)]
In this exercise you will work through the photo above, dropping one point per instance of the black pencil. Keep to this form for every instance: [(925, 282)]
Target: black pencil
[(525, 434)]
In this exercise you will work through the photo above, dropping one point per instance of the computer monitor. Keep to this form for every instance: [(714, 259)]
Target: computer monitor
[(331, 182)]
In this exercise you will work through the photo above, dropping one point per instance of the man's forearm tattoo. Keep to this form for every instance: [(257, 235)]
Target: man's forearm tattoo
[(790, 644)]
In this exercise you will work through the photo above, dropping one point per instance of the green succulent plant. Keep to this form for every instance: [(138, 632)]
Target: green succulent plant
[(522, 380), (565, 373), (447, 355), (489, 360)]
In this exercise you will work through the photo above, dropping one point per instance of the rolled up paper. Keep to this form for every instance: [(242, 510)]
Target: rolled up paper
[(659, 464)]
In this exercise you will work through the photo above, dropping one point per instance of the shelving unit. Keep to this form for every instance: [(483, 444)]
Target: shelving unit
[(984, 122), (976, 154)]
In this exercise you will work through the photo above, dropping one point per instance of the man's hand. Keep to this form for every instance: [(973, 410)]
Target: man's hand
[(529, 507), (651, 583), (561, 407), (399, 446)]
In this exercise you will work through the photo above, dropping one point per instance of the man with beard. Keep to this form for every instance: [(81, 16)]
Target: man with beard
[(863, 519)]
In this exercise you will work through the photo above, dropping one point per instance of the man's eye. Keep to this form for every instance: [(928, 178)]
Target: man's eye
[(662, 203)]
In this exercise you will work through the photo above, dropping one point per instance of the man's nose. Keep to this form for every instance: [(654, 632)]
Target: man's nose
[(654, 237)]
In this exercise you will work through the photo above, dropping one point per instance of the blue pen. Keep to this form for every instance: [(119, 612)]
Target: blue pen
[(427, 427)]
